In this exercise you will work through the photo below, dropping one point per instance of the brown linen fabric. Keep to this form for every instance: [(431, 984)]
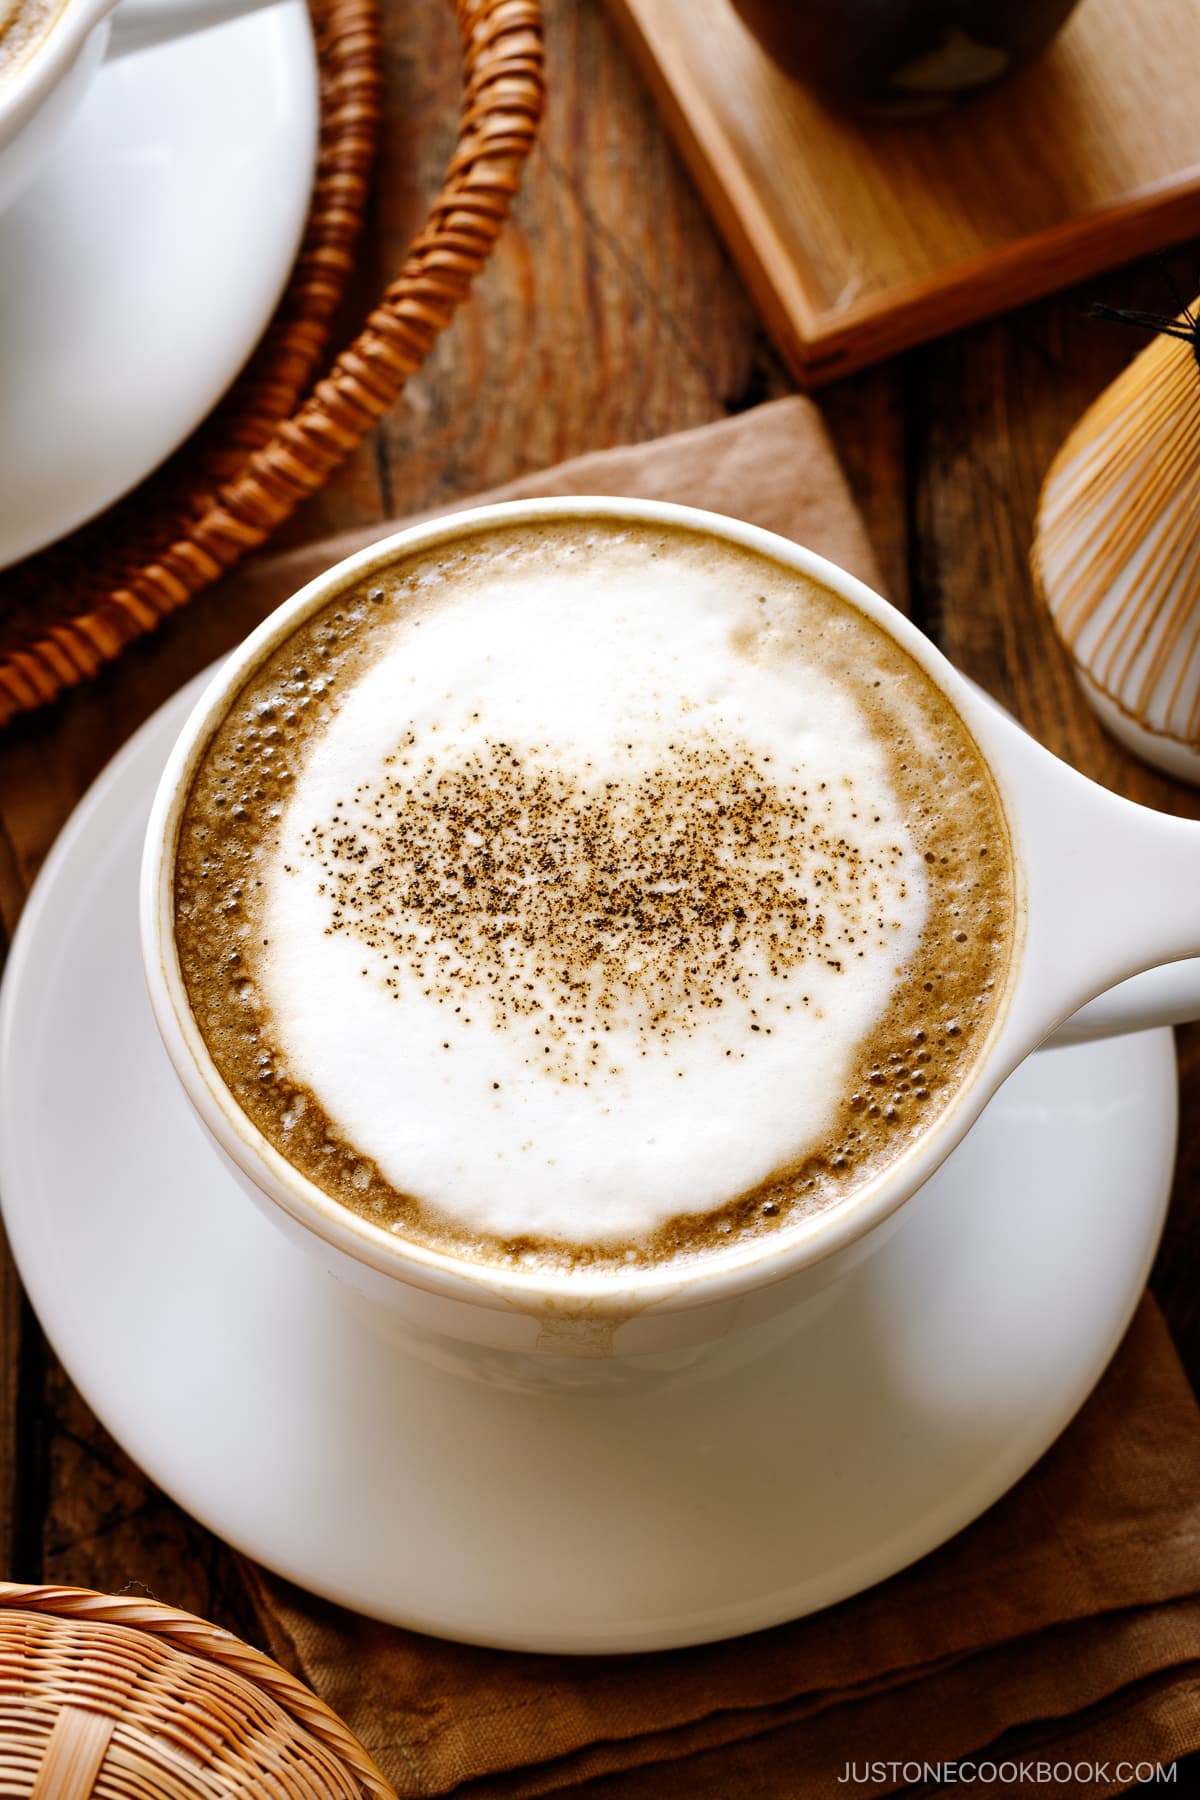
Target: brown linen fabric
[(1062, 1627), (772, 467)]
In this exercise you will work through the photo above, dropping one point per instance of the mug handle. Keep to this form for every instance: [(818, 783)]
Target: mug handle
[(1166, 996), (139, 24)]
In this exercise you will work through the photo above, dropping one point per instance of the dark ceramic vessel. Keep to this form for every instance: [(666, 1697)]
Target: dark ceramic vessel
[(901, 58)]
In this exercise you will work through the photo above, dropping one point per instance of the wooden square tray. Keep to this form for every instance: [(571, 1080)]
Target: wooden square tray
[(859, 240)]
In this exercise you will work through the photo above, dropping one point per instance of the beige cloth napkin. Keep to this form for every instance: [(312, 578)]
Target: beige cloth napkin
[(1063, 1628)]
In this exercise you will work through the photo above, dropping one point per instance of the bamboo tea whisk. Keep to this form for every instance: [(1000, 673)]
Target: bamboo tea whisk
[(1116, 553)]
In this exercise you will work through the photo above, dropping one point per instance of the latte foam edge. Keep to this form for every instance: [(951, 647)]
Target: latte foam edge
[(587, 892)]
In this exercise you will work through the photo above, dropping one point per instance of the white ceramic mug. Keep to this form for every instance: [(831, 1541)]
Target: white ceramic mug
[(1104, 889), (39, 95)]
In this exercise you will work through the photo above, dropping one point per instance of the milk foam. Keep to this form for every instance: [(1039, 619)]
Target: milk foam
[(586, 895)]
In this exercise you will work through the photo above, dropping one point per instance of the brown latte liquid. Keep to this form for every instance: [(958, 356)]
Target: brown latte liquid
[(592, 893)]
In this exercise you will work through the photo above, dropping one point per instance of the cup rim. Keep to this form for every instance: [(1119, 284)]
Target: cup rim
[(48, 61), (715, 1275)]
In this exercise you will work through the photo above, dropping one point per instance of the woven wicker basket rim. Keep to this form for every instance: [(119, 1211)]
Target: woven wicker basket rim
[(281, 447), (185, 1635)]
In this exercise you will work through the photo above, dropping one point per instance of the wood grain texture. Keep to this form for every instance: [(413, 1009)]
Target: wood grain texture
[(858, 240), (617, 310), (609, 313), (869, 418)]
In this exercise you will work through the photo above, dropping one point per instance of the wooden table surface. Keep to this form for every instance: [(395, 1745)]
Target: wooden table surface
[(609, 314)]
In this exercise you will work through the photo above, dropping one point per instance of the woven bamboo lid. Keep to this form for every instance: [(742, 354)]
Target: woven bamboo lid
[(67, 611), (123, 1699)]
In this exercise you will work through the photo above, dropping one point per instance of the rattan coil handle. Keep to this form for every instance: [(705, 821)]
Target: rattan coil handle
[(502, 65), (64, 1726)]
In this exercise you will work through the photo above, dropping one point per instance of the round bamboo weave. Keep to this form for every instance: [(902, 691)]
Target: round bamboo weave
[(123, 1699), (262, 454)]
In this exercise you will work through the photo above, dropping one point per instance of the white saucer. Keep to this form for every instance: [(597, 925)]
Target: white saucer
[(260, 1398), (139, 270)]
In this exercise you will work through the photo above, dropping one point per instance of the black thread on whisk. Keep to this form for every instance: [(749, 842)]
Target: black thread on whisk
[(1183, 324)]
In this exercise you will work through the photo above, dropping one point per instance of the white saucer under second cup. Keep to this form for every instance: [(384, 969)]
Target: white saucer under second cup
[(139, 270), (264, 1402)]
